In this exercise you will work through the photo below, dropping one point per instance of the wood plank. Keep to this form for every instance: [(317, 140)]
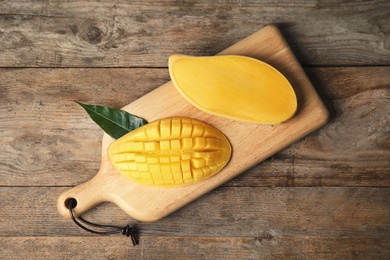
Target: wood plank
[(44, 132), (144, 33), (256, 247), (225, 212), (38, 103)]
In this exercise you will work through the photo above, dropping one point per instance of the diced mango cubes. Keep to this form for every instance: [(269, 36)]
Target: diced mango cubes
[(170, 152)]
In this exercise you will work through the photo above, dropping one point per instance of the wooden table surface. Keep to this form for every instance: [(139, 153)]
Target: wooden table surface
[(326, 196)]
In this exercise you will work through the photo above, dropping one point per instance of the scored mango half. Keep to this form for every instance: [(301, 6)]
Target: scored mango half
[(170, 152), (234, 87)]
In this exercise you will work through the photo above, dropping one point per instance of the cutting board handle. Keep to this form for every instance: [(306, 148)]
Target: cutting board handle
[(88, 195)]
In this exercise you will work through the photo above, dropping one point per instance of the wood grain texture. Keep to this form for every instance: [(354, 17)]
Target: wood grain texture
[(267, 223), (290, 211), (195, 248), (43, 131), (278, 209), (144, 33)]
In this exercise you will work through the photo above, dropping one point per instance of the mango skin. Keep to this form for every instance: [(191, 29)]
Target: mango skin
[(170, 152), (235, 87)]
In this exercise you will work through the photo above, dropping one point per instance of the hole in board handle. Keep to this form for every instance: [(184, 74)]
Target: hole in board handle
[(70, 203)]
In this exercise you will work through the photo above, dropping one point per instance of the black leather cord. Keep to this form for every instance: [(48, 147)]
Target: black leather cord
[(104, 229)]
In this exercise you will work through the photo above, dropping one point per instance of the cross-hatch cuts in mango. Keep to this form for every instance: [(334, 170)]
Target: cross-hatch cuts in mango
[(170, 152)]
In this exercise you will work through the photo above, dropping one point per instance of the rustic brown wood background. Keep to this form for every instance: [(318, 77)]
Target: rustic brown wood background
[(324, 197)]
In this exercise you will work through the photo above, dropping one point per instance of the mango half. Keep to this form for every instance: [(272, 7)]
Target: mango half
[(170, 152), (235, 87)]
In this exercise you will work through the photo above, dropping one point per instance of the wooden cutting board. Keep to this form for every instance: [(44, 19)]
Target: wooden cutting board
[(251, 143)]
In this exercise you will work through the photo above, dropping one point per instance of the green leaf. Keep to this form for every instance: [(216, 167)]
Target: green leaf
[(114, 122)]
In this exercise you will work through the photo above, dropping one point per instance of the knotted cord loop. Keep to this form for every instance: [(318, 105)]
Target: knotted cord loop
[(129, 232), (103, 229)]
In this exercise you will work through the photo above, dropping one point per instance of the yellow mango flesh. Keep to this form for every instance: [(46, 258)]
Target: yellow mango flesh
[(170, 152), (235, 87)]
